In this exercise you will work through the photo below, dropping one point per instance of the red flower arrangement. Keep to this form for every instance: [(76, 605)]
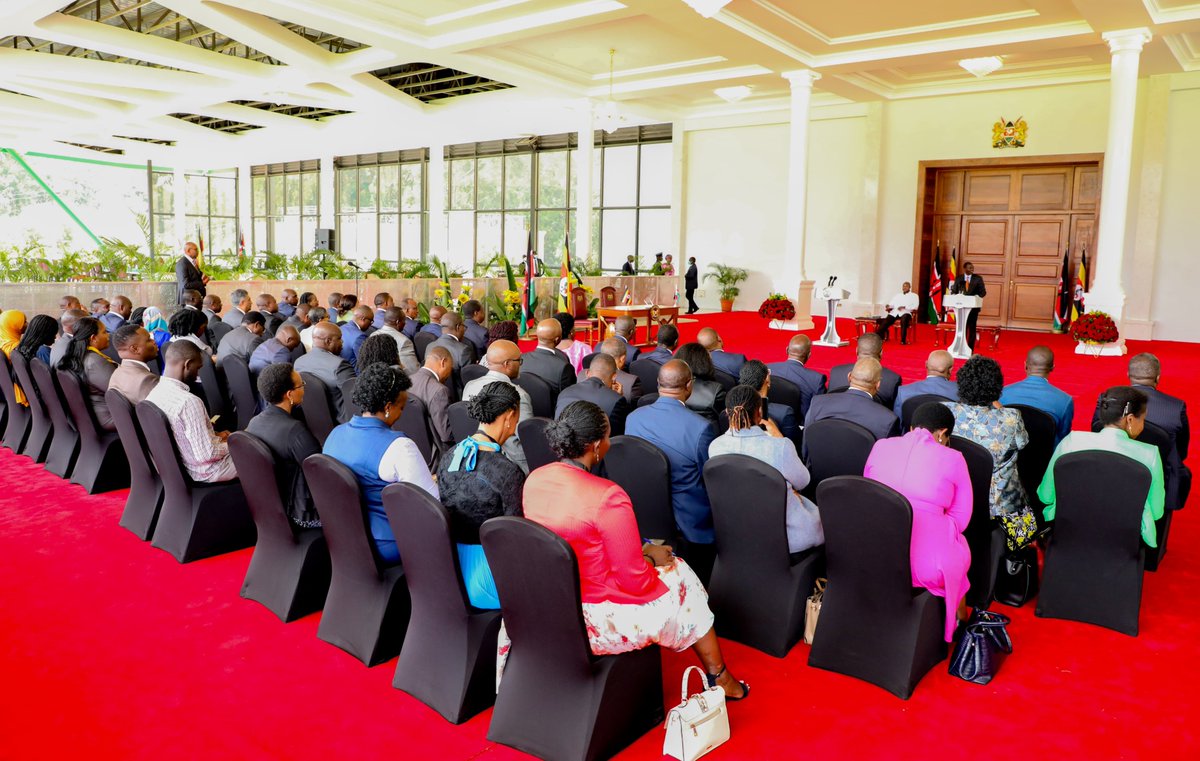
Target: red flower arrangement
[(777, 307), (1094, 328)]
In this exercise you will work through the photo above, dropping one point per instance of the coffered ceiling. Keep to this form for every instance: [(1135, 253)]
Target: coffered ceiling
[(200, 82)]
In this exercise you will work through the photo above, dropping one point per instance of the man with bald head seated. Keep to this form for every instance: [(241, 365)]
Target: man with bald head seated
[(67, 322), (429, 385), (504, 362), (624, 329), (434, 328), (355, 330), (275, 350), (631, 385), (546, 361), (453, 340), (602, 389), (668, 340), (204, 453), (870, 346), (394, 322), (684, 437), (1037, 392), (810, 382), (857, 404), (326, 363), (938, 367), (723, 360)]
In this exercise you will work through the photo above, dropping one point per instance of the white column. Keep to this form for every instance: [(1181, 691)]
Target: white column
[(583, 185), (1107, 293), (435, 199), (182, 234), (793, 278), (327, 204)]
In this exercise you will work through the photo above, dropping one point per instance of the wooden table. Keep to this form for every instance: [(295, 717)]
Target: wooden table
[(654, 315)]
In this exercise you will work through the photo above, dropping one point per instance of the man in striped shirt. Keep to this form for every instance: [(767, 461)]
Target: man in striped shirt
[(204, 452)]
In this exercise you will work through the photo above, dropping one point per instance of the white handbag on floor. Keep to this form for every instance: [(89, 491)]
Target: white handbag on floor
[(698, 724)]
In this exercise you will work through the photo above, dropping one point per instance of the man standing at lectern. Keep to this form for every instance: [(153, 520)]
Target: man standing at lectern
[(969, 284), (901, 307)]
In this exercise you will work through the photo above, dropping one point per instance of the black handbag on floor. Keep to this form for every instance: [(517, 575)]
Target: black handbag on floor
[(1017, 581), (983, 643)]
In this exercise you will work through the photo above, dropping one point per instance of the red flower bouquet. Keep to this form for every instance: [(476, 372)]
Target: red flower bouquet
[(1094, 328), (777, 307)]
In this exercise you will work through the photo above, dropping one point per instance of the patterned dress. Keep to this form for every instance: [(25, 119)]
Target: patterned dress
[(1001, 432)]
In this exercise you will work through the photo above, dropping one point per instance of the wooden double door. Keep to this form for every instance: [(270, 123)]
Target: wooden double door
[(1014, 224)]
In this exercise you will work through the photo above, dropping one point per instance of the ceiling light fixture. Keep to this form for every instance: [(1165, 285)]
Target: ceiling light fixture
[(707, 8), (981, 67), (733, 94), (609, 116)]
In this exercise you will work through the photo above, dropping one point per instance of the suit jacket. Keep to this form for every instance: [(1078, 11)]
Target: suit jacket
[(188, 277), (58, 350), (691, 278), (661, 355), (436, 398), (935, 384), (112, 321), (551, 366), (857, 407), (730, 363), (1170, 414), (134, 380), (462, 352), (810, 382), (627, 269), (684, 437), (592, 390), (974, 288), (218, 329), (97, 370), (234, 318), (352, 341), (411, 327), (631, 385), (269, 352), (888, 386), (331, 369), (404, 345), (433, 330), (240, 342), (708, 398), (784, 418), (290, 443), (1038, 392), (631, 352), (285, 310), (477, 335)]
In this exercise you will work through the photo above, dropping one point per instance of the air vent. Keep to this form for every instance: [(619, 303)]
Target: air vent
[(428, 82), (220, 125), (302, 112)]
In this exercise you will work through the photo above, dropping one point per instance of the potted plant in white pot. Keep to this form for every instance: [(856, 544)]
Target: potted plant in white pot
[(727, 279)]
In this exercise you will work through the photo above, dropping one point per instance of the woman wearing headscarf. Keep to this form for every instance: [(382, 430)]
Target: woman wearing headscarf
[(12, 326), (156, 325)]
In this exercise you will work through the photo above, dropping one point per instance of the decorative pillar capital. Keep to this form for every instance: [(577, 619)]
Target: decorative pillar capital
[(1127, 40), (802, 78)]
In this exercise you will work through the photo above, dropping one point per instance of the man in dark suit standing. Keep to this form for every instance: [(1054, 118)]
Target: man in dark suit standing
[(869, 346), (624, 330), (601, 389), (691, 281), (810, 382), (546, 361), (668, 339), (629, 268), (969, 284), (187, 272), (721, 359), (857, 404)]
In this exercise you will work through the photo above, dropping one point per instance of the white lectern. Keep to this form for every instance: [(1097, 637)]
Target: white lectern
[(962, 306), (832, 297)]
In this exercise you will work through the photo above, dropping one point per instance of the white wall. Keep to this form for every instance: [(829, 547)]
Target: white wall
[(1177, 269)]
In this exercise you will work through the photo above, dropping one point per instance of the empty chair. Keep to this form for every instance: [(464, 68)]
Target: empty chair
[(145, 489), (1033, 459), (472, 372), (874, 624), (101, 465), (37, 445), (241, 390), (16, 428), (910, 406), (541, 398), (984, 536), (462, 424), (448, 661), (318, 411), (532, 433), (642, 470), (367, 608), (758, 590), (289, 570), (647, 372), (197, 520), (64, 442), (1093, 567), (835, 448), (557, 700)]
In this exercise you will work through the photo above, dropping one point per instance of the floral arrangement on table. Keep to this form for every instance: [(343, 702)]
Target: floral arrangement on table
[(1094, 328), (777, 307)]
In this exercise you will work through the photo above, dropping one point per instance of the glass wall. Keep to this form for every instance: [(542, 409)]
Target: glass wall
[(381, 207), (284, 208), (210, 205)]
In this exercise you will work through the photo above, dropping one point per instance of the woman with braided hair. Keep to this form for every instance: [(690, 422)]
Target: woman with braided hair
[(752, 434), (1123, 414), (478, 482)]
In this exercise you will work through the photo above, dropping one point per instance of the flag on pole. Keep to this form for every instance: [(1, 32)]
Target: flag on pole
[(1078, 307), (935, 288), (528, 297), (241, 244), (627, 299), (200, 246), (676, 302), (1062, 304), (564, 282), (953, 275)]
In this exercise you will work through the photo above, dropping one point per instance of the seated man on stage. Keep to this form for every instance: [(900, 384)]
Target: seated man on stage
[(902, 307)]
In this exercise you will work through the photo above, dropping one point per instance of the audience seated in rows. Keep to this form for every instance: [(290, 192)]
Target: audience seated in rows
[(810, 382), (1035, 391), (724, 361), (753, 435), (757, 376), (546, 361), (376, 454), (631, 385), (453, 330), (1122, 413), (664, 350), (282, 390), (602, 389), (478, 482), (85, 359), (934, 479), (204, 452), (938, 367), (429, 385), (870, 346), (978, 416), (133, 378), (857, 404), (392, 325), (473, 315), (634, 594), (708, 395), (504, 362)]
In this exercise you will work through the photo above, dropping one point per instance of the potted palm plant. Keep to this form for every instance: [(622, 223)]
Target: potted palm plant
[(727, 279)]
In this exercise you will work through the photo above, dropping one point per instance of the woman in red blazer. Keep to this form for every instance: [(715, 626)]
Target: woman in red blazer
[(634, 594)]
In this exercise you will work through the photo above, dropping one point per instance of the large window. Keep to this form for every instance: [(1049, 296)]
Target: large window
[(381, 206), (285, 202), (210, 206)]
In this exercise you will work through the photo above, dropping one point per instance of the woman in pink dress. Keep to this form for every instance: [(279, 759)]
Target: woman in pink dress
[(575, 350), (934, 479)]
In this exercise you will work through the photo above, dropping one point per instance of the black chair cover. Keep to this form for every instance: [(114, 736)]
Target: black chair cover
[(783, 391), (448, 661), (212, 391), (757, 591), (197, 520), (145, 489), (318, 410), (18, 421), (289, 570), (241, 390), (557, 700), (1154, 435), (984, 536), (101, 465), (415, 424), (835, 448), (1093, 566), (421, 342), (37, 445), (64, 442), (726, 380), (367, 608), (874, 625), (910, 407), (1035, 457), (349, 408), (462, 424), (645, 400), (540, 395), (642, 470), (532, 433), (473, 372), (647, 372)]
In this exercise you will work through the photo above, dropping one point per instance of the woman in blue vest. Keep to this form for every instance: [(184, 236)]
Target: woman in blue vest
[(378, 455)]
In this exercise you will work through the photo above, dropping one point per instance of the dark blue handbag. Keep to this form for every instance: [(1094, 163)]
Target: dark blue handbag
[(982, 645)]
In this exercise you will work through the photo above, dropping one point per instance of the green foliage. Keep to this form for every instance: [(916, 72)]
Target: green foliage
[(727, 279)]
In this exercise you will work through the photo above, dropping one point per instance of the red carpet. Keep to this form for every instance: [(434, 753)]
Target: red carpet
[(111, 649)]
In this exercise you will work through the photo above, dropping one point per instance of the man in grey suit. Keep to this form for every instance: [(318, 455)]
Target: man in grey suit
[(601, 389), (394, 323), (937, 381), (429, 385), (474, 314), (546, 361), (216, 324), (869, 346), (245, 338), (810, 382), (276, 349), (326, 363), (58, 349), (504, 366), (631, 385), (133, 378), (453, 330), (857, 404), (240, 304)]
